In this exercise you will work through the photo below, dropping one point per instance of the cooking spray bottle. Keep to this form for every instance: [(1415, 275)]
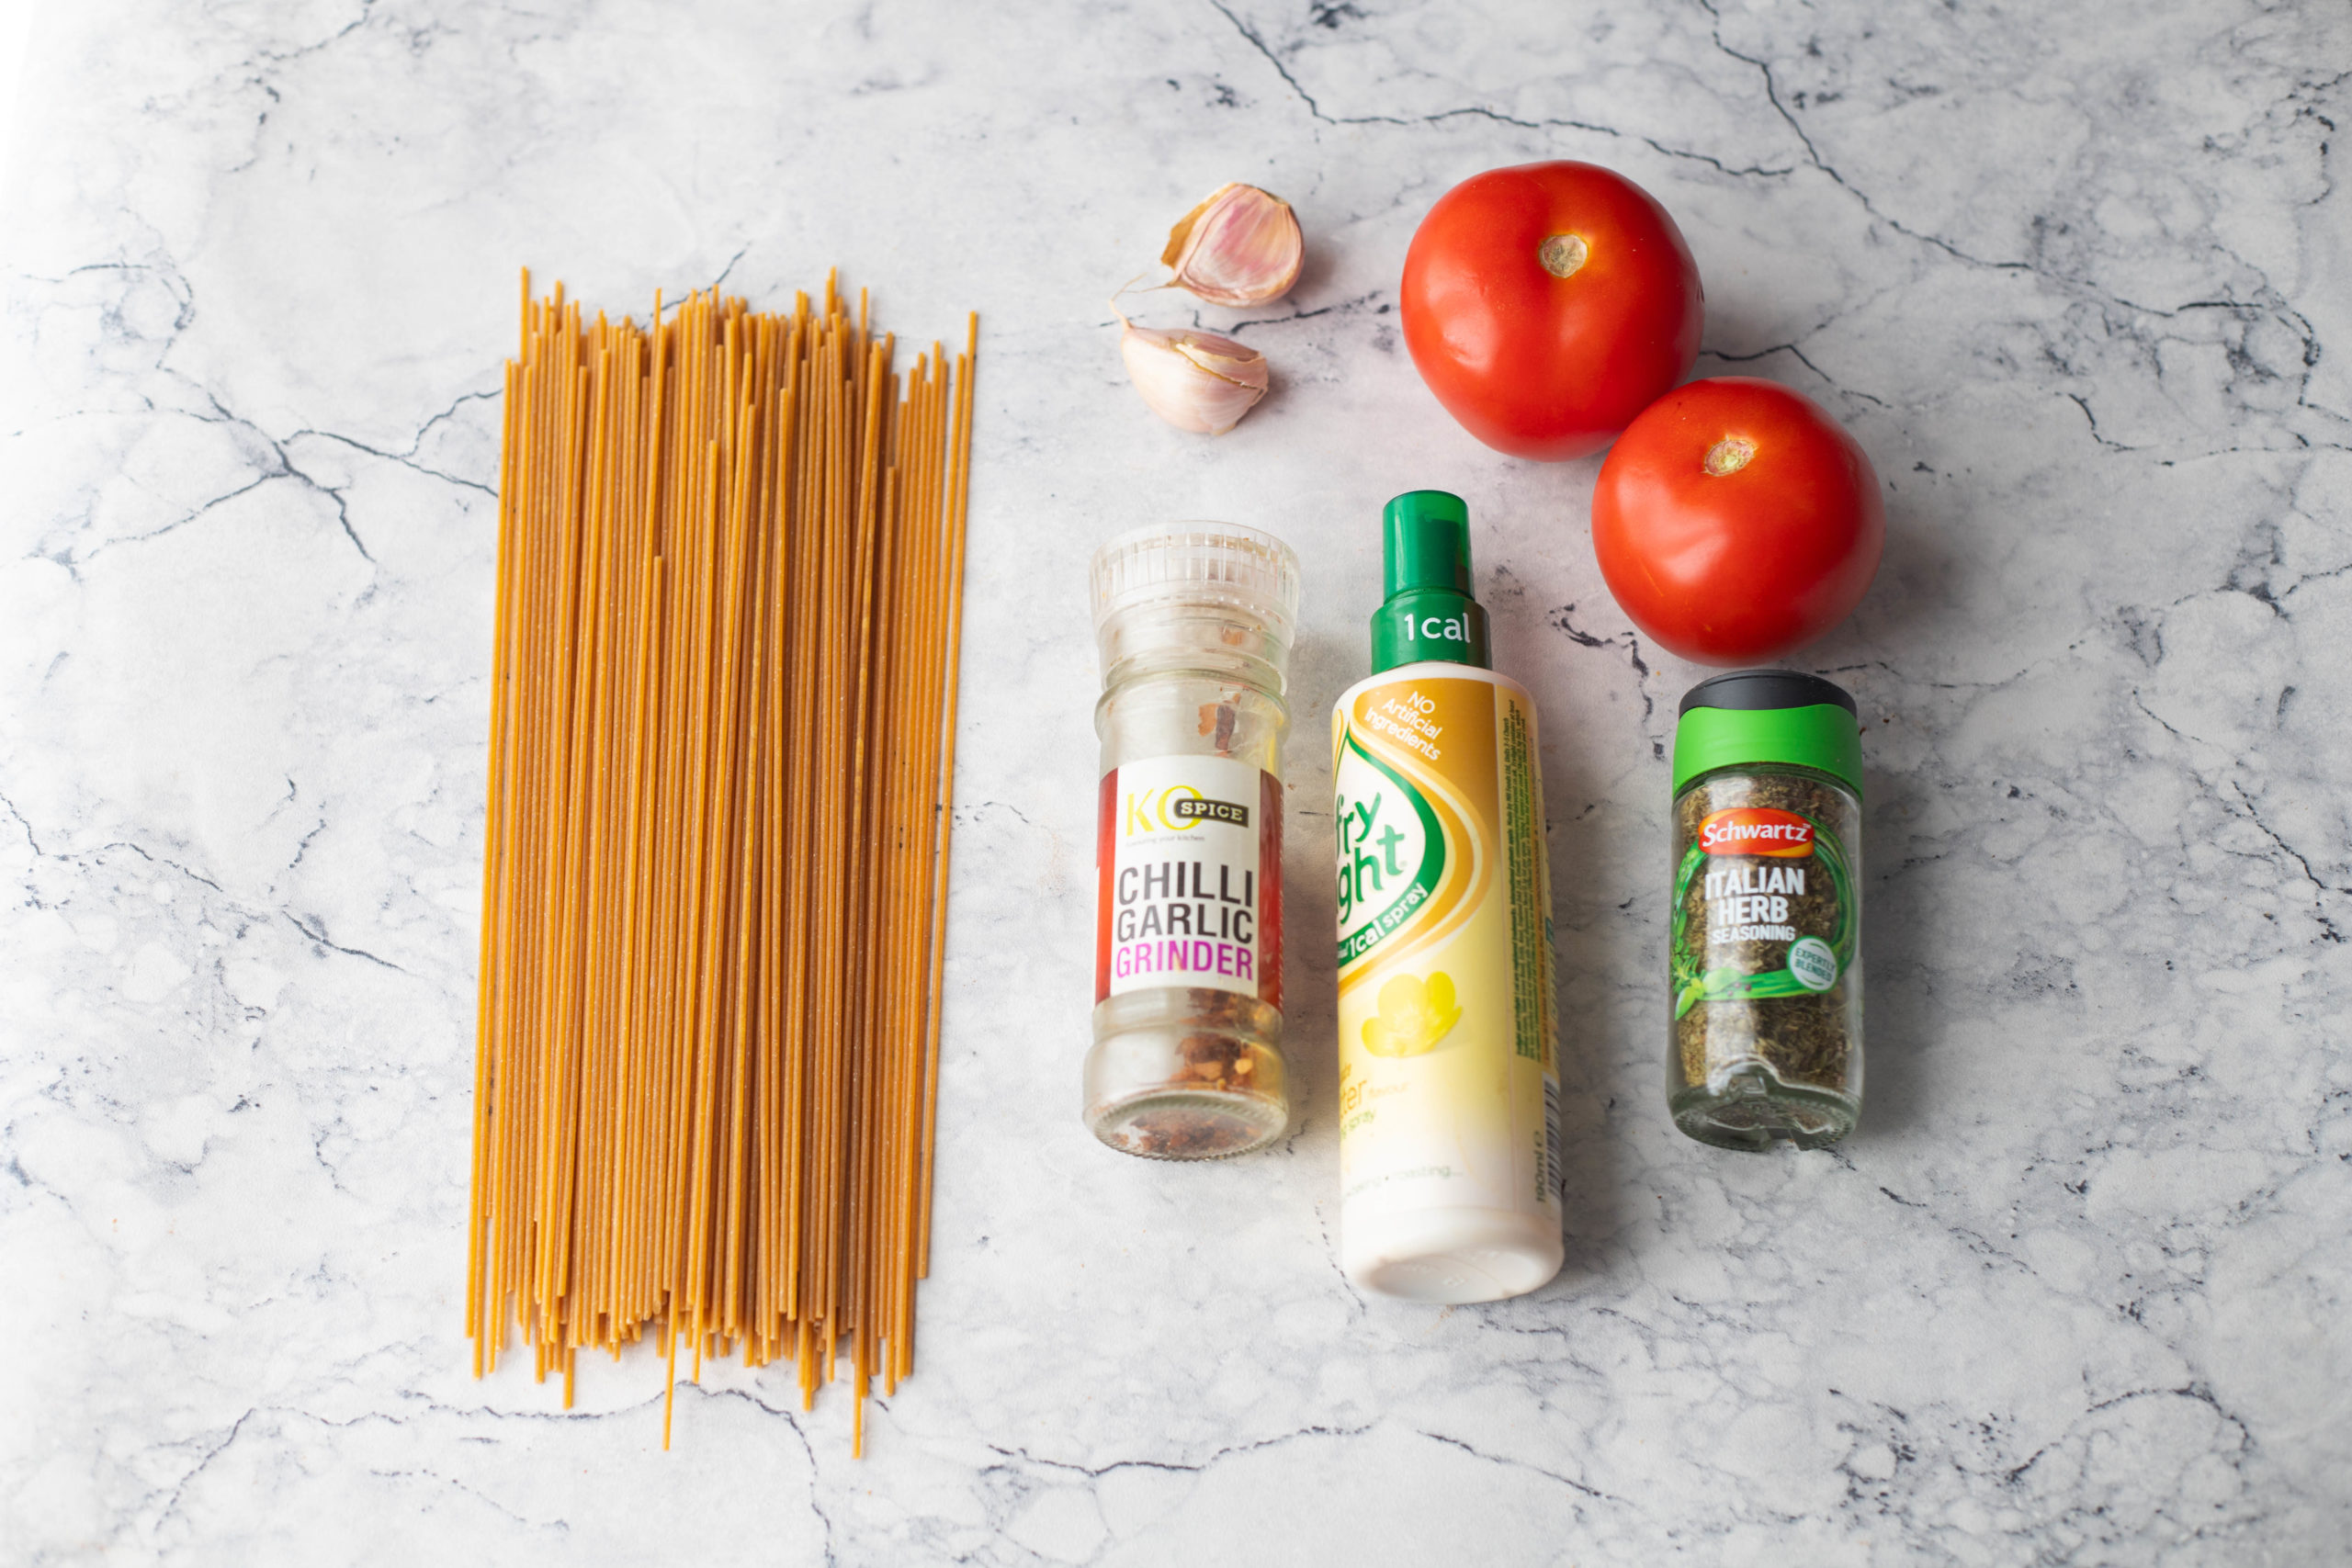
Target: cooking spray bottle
[(1449, 1090)]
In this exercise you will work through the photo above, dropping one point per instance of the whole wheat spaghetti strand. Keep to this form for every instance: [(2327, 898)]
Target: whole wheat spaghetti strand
[(908, 740), (587, 1186), (741, 785), (857, 1173), (921, 765), (481, 1196), (958, 509), (559, 1061)]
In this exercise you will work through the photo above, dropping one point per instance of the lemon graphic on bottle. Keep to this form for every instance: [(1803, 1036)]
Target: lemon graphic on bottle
[(1414, 1015)]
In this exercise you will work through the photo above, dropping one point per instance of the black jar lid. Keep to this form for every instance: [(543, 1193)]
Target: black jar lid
[(1748, 691)]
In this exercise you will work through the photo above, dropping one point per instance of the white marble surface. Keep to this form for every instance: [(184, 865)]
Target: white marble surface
[(2075, 274)]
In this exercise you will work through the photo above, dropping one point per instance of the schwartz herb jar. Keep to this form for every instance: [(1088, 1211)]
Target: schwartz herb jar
[(1193, 621), (1765, 1027)]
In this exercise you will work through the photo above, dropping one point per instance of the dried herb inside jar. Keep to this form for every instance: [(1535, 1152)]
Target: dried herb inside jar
[(1766, 921), (1739, 918)]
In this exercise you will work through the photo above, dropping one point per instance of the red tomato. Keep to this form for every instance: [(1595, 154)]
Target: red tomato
[(1548, 304), (1736, 521)]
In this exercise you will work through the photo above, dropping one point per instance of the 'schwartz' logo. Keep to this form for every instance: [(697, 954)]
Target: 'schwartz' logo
[(1756, 831)]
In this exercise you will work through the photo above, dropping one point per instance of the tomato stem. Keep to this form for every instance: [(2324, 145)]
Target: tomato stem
[(1562, 253), (1729, 456)]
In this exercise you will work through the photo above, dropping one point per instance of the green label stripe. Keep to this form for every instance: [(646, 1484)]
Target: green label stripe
[(1416, 893), (1521, 843), (1726, 983), (1841, 880)]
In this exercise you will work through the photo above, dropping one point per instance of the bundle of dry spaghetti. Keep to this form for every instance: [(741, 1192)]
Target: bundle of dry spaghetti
[(722, 736)]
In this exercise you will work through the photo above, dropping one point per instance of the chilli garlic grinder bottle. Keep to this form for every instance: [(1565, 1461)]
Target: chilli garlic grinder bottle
[(1449, 1092), (1193, 621), (1765, 999)]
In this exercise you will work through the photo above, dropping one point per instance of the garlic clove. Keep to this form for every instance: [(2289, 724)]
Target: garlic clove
[(1241, 247), (1194, 380)]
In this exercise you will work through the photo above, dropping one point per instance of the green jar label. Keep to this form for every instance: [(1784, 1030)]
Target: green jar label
[(1763, 907)]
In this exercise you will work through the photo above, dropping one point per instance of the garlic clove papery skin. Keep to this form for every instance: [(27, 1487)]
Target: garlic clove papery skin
[(1242, 246), (1194, 380)]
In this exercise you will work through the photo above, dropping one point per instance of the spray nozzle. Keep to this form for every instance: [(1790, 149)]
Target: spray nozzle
[(1425, 572)]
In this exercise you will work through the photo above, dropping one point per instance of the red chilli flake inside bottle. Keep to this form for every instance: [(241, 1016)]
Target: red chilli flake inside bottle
[(1193, 621)]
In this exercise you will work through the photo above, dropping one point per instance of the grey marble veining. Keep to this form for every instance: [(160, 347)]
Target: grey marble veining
[(2077, 274)]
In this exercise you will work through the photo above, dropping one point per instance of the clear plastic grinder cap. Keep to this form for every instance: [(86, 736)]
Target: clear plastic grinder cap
[(1169, 569)]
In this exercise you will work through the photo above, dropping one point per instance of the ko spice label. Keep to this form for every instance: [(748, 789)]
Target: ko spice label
[(1191, 862)]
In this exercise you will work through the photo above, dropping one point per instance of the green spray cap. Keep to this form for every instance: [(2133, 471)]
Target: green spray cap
[(1425, 573), (1748, 718)]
